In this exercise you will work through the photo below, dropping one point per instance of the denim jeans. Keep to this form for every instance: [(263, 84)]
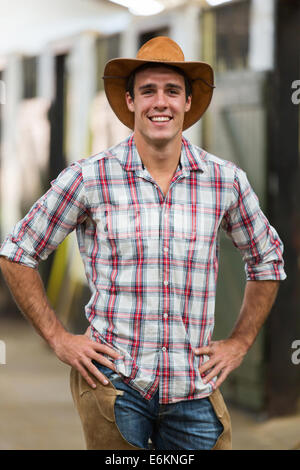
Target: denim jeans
[(188, 424)]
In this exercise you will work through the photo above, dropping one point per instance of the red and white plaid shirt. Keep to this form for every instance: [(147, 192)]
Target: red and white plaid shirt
[(151, 260)]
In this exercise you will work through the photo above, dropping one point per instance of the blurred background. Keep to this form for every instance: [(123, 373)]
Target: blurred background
[(53, 111)]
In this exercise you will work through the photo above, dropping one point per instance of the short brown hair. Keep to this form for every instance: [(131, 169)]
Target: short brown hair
[(131, 77)]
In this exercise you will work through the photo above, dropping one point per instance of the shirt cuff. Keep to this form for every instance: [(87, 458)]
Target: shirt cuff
[(266, 272), (15, 253)]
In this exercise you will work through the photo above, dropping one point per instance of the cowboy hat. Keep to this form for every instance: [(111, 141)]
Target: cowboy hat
[(162, 50)]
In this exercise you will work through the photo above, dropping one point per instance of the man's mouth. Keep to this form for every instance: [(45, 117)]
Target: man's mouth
[(160, 118)]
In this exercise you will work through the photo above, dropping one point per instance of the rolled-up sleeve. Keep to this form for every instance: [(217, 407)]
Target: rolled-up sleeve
[(49, 220), (251, 232)]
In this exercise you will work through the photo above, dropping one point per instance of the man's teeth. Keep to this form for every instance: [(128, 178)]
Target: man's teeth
[(160, 118)]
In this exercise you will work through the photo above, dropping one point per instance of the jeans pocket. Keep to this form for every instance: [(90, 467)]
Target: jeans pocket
[(110, 374)]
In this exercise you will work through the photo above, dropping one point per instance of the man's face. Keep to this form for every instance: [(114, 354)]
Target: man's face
[(159, 105)]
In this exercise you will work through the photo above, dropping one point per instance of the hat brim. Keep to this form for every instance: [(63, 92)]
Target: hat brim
[(117, 71)]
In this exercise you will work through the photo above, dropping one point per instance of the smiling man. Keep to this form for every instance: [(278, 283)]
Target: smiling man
[(159, 97), (159, 103), (147, 214)]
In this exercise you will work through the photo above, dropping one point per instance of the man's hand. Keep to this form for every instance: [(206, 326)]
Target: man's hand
[(78, 351), (224, 357)]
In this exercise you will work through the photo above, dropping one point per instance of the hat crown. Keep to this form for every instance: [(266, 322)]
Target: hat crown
[(162, 49)]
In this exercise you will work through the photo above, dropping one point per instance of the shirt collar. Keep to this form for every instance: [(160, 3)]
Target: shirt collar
[(191, 157)]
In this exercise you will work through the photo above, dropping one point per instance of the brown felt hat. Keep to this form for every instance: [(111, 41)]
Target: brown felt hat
[(165, 51)]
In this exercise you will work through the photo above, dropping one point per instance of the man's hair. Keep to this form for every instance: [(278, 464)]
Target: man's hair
[(131, 77)]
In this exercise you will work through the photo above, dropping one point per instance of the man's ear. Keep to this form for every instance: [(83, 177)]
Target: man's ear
[(129, 101), (188, 104)]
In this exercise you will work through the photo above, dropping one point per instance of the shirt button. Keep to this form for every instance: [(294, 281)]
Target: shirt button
[(166, 283), (166, 249), (164, 349), (165, 315)]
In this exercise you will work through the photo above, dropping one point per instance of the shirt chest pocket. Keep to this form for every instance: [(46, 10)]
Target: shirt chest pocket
[(127, 228), (122, 222), (183, 222)]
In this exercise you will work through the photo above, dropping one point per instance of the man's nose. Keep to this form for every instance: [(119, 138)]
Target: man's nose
[(161, 100)]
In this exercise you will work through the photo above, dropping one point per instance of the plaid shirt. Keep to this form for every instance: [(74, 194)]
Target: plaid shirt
[(151, 260)]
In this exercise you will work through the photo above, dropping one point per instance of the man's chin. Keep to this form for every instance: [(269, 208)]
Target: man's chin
[(161, 139)]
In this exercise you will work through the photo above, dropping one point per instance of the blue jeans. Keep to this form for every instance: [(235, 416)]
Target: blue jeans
[(189, 424)]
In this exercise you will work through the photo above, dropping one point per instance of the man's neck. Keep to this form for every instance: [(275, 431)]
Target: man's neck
[(159, 159)]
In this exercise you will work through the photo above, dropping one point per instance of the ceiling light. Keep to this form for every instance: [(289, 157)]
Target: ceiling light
[(217, 2), (141, 7)]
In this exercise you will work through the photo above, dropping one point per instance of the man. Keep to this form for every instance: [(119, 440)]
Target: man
[(147, 214)]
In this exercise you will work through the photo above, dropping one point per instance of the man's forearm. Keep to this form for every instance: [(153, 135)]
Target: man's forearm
[(28, 291), (258, 300)]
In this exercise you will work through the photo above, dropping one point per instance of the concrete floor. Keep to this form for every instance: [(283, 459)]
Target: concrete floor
[(37, 411)]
